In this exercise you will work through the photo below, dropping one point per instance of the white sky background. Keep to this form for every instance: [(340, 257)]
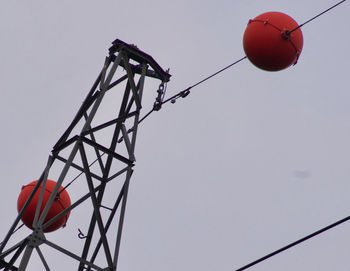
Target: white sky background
[(214, 185)]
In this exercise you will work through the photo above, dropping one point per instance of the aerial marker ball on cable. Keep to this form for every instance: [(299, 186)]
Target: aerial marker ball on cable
[(272, 41), (61, 202)]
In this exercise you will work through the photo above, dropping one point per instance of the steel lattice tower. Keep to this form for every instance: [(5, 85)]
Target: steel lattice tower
[(102, 161)]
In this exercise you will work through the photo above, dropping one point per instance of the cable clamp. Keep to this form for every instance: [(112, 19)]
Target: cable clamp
[(181, 94)]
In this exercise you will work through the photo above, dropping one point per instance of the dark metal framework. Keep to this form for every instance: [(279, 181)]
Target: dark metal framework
[(81, 148)]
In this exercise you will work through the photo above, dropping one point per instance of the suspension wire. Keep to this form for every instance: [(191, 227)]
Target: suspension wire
[(143, 118), (294, 243), (216, 73), (186, 91), (318, 15)]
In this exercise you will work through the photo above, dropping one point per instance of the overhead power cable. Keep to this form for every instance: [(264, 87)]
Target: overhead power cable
[(318, 15), (294, 244), (186, 91)]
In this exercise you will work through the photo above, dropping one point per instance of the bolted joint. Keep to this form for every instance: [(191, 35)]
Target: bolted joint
[(36, 238)]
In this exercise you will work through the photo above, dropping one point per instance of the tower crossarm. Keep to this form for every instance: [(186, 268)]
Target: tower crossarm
[(140, 57)]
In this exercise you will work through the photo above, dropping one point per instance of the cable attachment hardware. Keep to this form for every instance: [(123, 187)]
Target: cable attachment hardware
[(181, 94), (161, 93), (158, 103)]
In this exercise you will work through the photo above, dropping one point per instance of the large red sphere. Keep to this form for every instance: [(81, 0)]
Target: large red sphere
[(268, 44), (61, 202)]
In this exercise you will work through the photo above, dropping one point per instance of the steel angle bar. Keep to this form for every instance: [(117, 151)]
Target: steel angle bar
[(96, 204), (78, 167), (42, 190), (105, 207), (136, 69), (118, 81), (16, 255), (127, 143), (19, 251), (119, 173), (70, 208), (104, 70), (42, 258), (58, 184), (4, 264), (25, 259), (107, 151), (91, 228), (132, 83), (123, 107), (13, 248), (65, 144), (72, 255), (121, 217), (139, 85), (134, 133), (101, 94), (109, 221), (131, 103), (110, 123), (92, 135), (104, 84), (136, 120), (87, 241)]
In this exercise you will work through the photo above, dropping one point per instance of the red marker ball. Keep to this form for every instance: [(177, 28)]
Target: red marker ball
[(61, 202), (269, 45)]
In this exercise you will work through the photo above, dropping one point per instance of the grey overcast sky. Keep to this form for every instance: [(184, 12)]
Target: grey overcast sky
[(248, 162)]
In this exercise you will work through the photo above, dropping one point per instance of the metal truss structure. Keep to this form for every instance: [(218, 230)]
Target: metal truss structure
[(100, 150)]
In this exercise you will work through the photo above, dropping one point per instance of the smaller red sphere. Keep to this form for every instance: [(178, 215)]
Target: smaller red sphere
[(269, 45), (61, 202)]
